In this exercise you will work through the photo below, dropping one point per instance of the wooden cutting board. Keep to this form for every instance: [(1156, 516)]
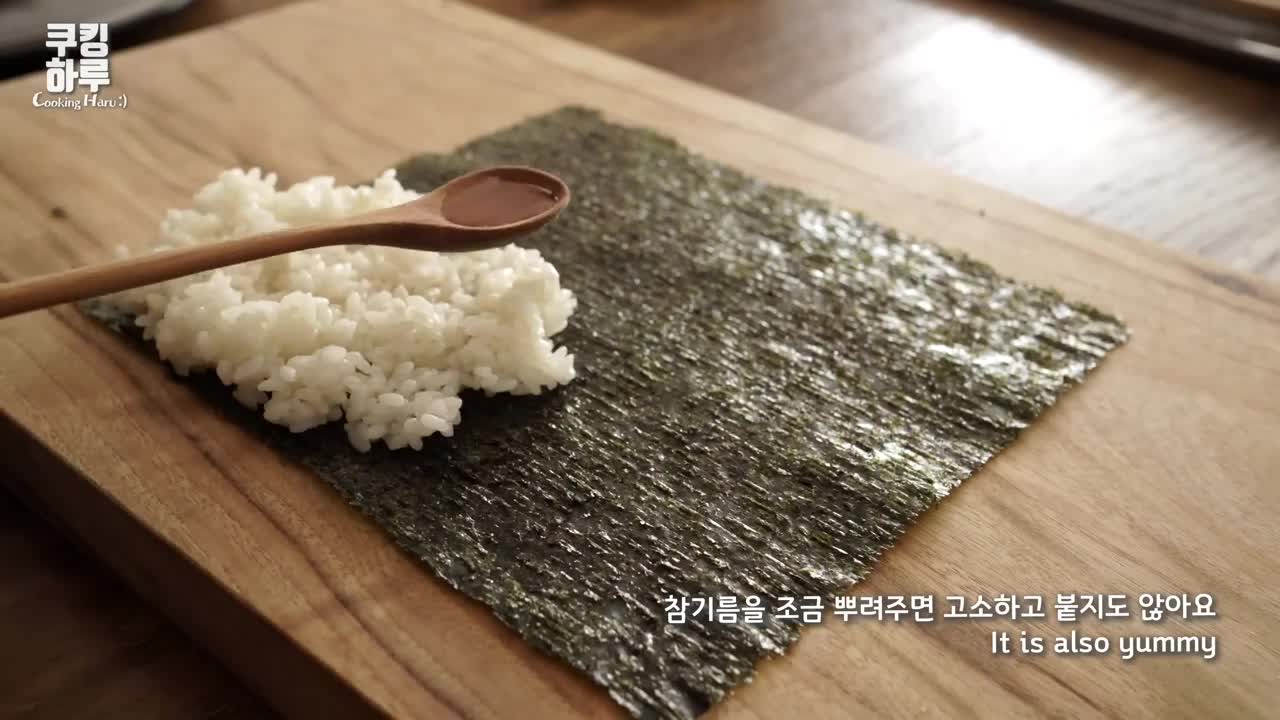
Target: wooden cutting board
[(1159, 474)]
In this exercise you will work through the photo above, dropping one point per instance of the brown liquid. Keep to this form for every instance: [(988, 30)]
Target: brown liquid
[(496, 201)]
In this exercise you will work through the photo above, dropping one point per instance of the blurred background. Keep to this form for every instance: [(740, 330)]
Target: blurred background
[(1160, 118)]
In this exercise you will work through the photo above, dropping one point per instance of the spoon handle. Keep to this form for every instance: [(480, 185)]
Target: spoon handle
[(94, 280)]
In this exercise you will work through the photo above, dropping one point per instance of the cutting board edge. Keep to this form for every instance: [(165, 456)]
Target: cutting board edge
[(295, 682)]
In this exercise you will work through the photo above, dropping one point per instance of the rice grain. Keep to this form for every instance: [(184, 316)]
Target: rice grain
[(384, 339)]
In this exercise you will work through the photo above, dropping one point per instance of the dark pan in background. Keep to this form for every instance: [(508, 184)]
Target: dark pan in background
[(1244, 33), (24, 25)]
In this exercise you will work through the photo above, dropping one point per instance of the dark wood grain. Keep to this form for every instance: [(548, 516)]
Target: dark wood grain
[(1119, 133), (79, 644)]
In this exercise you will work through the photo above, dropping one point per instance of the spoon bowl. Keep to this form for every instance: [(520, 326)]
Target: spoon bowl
[(480, 210)]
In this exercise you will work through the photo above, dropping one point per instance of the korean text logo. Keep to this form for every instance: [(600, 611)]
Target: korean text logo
[(80, 69)]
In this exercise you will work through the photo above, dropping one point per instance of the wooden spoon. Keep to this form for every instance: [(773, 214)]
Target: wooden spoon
[(477, 211)]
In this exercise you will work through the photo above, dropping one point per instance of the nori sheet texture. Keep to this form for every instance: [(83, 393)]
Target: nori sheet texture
[(769, 390)]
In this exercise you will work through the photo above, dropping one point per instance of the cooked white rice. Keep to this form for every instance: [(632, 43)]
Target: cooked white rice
[(381, 338)]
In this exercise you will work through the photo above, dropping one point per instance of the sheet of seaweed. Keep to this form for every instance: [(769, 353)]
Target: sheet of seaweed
[(769, 390)]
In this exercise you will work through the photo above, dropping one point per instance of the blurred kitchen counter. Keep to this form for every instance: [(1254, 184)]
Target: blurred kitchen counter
[(1120, 133)]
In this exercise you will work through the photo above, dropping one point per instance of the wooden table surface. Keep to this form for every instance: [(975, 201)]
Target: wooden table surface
[(1119, 134)]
